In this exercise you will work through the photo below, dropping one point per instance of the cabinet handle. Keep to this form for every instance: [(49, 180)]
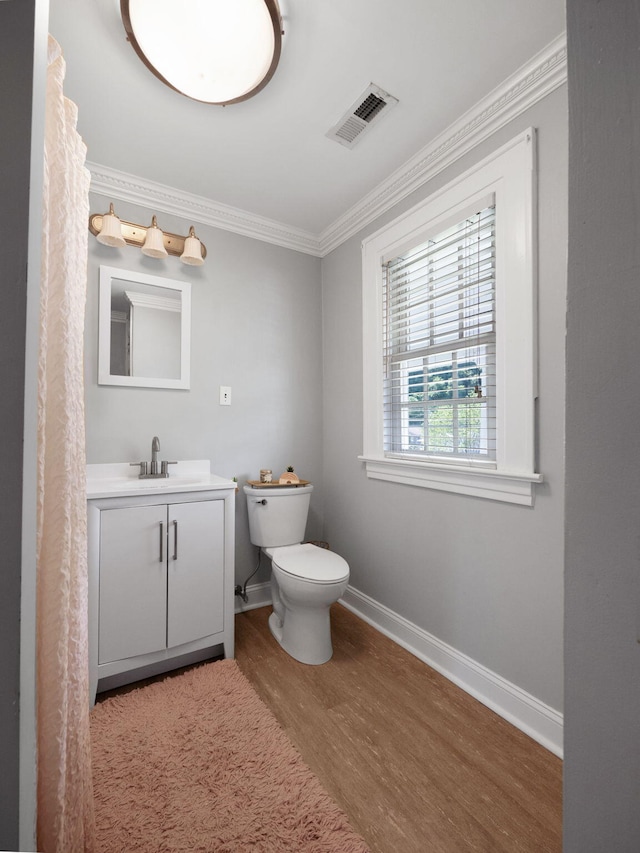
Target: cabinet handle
[(175, 540), (161, 559)]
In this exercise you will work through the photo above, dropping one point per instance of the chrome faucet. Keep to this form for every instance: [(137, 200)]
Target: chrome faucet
[(147, 471), (155, 447)]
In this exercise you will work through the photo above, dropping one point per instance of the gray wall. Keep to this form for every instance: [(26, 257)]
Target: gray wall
[(602, 686), (602, 766), (16, 63), (482, 576), (256, 326)]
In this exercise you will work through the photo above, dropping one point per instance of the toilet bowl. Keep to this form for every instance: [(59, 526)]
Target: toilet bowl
[(305, 579), (305, 582)]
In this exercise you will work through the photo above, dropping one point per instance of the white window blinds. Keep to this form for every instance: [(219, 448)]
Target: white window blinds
[(439, 344)]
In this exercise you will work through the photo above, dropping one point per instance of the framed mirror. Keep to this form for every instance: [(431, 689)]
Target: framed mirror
[(144, 330)]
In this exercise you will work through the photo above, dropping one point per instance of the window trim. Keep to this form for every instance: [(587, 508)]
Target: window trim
[(510, 174)]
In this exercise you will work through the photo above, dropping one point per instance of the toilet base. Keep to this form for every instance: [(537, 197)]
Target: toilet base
[(305, 636)]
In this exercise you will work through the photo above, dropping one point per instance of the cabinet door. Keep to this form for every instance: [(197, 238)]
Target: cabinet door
[(133, 582), (196, 571)]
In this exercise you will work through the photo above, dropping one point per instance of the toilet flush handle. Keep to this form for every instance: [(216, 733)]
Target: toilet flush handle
[(263, 501)]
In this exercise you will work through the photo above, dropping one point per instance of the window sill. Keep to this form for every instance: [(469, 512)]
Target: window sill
[(516, 488)]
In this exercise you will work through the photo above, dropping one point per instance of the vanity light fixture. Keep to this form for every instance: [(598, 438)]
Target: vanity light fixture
[(110, 230), (214, 51)]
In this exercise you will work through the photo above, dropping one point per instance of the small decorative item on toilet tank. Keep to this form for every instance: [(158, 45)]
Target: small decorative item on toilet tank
[(289, 476), (265, 475)]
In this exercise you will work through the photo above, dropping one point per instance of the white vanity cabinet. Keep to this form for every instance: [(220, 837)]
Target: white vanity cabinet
[(161, 581)]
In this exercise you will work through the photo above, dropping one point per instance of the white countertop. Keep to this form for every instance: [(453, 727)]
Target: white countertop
[(120, 479)]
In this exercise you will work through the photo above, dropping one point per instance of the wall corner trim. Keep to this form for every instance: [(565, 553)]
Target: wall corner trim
[(122, 186), (259, 595), (544, 73), (521, 709)]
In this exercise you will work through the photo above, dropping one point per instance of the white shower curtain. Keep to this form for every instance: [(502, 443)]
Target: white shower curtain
[(65, 797)]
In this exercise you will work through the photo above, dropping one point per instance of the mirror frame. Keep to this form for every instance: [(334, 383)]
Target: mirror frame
[(105, 377)]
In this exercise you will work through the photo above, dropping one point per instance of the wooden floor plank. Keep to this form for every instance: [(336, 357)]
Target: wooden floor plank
[(416, 763)]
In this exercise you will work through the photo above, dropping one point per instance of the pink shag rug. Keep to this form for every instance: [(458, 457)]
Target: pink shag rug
[(197, 762)]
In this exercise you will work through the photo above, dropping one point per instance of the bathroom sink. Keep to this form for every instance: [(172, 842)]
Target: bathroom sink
[(160, 483), (113, 480), (127, 485)]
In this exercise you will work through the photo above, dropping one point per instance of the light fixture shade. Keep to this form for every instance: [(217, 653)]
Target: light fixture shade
[(192, 254), (111, 232), (216, 51), (154, 242)]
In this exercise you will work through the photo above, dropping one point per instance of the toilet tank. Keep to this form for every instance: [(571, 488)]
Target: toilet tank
[(277, 514)]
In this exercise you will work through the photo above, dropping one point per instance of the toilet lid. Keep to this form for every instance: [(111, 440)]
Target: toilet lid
[(310, 563)]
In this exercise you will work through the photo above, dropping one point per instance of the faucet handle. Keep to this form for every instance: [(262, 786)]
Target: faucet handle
[(143, 467), (163, 467)]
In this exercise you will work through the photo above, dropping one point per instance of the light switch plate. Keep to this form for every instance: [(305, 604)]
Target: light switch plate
[(225, 395)]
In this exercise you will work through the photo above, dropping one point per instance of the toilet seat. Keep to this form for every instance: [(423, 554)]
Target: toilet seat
[(310, 563)]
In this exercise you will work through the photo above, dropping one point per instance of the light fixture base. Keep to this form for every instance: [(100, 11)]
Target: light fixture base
[(135, 235)]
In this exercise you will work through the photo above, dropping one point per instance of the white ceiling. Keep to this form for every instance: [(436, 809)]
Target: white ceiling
[(269, 155)]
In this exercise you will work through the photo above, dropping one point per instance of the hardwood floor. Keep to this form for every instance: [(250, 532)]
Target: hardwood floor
[(417, 764)]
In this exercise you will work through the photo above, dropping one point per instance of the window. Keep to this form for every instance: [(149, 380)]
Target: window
[(449, 307), (439, 344)]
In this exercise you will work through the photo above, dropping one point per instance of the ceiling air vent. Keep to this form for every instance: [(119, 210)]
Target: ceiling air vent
[(369, 106)]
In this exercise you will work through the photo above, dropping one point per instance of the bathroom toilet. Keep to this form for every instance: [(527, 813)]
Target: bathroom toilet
[(305, 579)]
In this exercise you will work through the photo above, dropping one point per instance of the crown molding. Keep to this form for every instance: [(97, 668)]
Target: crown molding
[(148, 300), (130, 188), (544, 73)]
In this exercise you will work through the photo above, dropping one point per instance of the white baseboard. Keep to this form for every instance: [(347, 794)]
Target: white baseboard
[(259, 595), (521, 709)]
